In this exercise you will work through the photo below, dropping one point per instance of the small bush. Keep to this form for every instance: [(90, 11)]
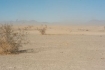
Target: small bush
[(11, 39), (42, 29)]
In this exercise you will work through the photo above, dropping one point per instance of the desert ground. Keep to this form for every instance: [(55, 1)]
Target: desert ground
[(62, 48)]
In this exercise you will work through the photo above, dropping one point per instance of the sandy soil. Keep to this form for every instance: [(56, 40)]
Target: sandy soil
[(63, 48)]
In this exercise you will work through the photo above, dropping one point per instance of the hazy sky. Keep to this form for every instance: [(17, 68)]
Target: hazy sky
[(52, 10)]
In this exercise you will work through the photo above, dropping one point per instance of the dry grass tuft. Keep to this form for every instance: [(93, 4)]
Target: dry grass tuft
[(11, 39), (42, 29)]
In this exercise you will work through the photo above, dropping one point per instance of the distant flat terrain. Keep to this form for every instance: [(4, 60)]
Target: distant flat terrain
[(63, 48)]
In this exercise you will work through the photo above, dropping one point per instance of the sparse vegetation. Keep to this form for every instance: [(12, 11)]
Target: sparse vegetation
[(11, 39), (42, 29)]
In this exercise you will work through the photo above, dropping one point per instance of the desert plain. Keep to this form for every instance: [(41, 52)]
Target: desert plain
[(64, 47)]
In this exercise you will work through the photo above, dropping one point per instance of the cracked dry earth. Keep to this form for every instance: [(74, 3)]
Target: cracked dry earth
[(58, 52)]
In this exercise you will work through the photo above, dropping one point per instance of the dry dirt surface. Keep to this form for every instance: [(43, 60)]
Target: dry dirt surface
[(77, 50)]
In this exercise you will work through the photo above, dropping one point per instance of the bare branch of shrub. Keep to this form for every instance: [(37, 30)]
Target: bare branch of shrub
[(10, 39)]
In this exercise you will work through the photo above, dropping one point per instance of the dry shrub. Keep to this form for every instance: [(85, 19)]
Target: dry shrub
[(11, 39), (42, 29)]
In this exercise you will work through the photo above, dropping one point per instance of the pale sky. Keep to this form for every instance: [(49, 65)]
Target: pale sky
[(52, 10)]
